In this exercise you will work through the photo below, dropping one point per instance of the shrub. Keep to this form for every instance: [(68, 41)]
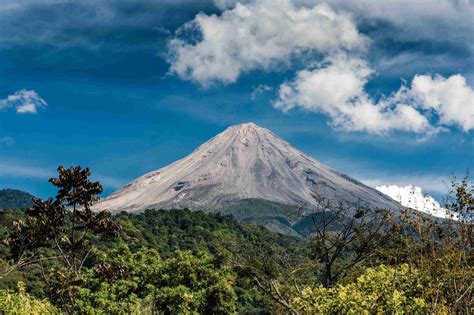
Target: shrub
[(382, 290), (21, 303)]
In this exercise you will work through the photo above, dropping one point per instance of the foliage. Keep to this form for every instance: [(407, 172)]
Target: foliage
[(21, 303), (49, 225), (219, 235), (182, 261), (178, 229), (344, 237), (123, 282), (7, 217), (380, 290), (169, 230), (442, 249)]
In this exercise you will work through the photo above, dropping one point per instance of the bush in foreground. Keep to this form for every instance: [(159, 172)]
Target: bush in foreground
[(21, 303), (380, 290)]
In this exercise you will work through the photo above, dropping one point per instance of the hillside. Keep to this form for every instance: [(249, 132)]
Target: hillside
[(170, 231), (14, 198)]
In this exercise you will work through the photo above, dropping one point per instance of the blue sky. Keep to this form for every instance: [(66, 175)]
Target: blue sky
[(381, 91)]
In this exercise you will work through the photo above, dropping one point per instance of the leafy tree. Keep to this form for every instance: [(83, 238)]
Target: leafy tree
[(65, 225), (122, 282), (272, 268), (345, 237), (167, 231)]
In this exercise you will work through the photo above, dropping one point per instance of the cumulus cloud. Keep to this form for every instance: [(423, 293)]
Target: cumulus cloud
[(24, 102), (259, 35), (264, 34), (435, 183), (336, 89), (439, 19), (450, 98)]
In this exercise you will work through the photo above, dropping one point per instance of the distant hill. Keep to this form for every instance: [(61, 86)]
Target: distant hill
[(14, 198)]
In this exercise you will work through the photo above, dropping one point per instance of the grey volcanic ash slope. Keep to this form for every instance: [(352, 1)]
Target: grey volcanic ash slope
[(247, 171)]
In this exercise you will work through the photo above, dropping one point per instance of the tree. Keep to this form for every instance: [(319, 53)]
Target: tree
[(273, 269), (441, 249), (122, 282), (60, 230), (344, 237)]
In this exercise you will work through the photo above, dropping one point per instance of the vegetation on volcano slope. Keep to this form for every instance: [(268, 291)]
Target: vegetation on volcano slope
[(169, 238), (185, 262)]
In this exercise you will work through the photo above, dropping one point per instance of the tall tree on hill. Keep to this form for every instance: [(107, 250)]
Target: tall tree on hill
[(60, 230)]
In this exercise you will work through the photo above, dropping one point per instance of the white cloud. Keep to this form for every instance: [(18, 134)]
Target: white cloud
[(438, 19), (336, 89), (412, 197), (414, 19), (264, 34), (334, 83), (259, 35), (433, 183), (24, 101), (450, 98)]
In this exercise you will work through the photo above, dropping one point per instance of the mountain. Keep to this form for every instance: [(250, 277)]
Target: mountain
[(249, 172), (14, 199)]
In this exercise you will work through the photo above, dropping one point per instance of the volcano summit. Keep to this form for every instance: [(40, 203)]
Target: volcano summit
[(249, 172)]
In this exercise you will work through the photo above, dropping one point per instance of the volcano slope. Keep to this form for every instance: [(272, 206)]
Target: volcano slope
[(249, 172)]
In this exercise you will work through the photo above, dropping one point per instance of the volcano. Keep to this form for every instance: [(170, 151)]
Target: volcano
[(249, 172)]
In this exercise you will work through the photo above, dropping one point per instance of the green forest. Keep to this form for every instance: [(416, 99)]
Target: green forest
[(60, 257)]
